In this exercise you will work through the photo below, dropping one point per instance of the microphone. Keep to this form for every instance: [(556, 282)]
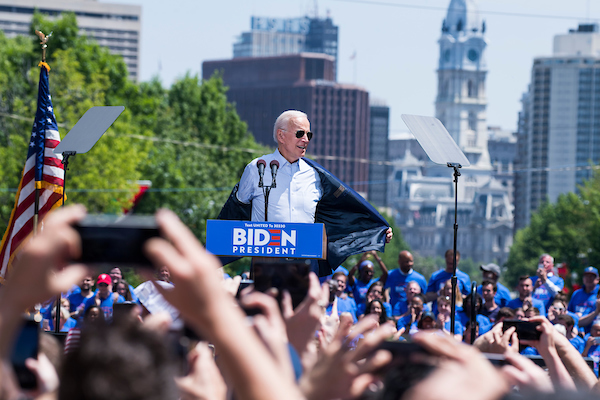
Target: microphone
[(261, 165), (274, 167)]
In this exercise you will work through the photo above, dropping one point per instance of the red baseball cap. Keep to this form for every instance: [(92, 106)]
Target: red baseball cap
[(104, 278)]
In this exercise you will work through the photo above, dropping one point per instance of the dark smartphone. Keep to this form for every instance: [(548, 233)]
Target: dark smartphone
[(526, 330), (284, 275), (411, 363), (125, 311), (181, 342), (26, 346), (108, 239), (333, 287), (496, 359)]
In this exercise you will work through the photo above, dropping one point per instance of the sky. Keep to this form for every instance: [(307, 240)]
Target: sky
[(395, 42)]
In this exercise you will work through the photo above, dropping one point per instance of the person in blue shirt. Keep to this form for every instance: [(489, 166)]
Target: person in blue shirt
[(104, 298), (569, 323), (439, 278), (545, 284), (464, 316), (592, 345), (399, 278), (525, 300), (345, 303), (584, 302), (490, 308), (375, 292), (366, 276), (443, 318), (411, 317), (76, 299), (491, 272)]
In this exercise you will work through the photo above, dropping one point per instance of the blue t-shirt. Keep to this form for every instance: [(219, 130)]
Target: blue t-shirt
[(459, 329), (344, 305), (583, 303), (484, 322), (439, 278), (516, 303), (397, 282), (106, 305), (75, 300), (530, 351), (578, 343), (359, 290), (502, 296), (594, 354), (542, 293)]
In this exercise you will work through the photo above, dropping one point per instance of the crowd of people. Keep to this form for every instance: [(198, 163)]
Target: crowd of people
[(344, 340)]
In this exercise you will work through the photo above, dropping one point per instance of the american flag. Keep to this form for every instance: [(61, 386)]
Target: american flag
[(43, 170)]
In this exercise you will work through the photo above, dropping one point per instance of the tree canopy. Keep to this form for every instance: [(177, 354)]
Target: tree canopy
[(567, 229)]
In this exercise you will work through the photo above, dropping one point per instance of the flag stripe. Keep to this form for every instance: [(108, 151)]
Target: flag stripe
[(43, 169)]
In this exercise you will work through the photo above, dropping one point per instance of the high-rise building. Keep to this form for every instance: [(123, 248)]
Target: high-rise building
[(559, 127), (262, 88), (278, 36), (116, 26), (378, 154), (422, 194)]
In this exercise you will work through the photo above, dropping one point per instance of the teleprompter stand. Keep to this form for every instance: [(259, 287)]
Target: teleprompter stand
[(441, 149), (80, 139)]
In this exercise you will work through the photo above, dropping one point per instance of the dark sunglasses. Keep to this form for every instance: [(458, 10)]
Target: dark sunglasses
[(300, 134), (103, 284)]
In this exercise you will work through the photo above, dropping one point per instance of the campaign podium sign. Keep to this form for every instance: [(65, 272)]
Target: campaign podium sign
[(266, 239)]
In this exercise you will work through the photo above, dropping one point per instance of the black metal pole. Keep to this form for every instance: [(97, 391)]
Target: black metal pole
[(473, 318), (454, 279)]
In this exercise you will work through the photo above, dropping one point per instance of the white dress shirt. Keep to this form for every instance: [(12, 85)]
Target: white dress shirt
[(293, 200)]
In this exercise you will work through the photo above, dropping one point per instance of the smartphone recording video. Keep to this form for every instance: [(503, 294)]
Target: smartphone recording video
[(108, 239), (284, 275), (411, 363), (526, 330), (26, 346)]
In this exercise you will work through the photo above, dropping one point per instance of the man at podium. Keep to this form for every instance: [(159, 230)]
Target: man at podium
[(302, 191)]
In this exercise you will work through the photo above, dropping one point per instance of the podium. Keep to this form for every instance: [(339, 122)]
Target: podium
[(282, 252)]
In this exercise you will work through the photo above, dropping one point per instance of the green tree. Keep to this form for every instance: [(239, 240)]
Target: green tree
[(202, 150)]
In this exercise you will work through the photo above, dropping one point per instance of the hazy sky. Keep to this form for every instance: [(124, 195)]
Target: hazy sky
[(395, 42)]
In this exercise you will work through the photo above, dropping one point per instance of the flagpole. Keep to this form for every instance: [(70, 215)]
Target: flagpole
[(38, 184)]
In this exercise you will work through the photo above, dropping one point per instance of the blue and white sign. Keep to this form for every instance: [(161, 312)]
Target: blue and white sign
[(265, 239)]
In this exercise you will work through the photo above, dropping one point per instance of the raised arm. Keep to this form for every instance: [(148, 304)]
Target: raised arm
[(384, 270), (211, 311)]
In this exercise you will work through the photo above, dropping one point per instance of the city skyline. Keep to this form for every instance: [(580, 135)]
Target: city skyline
[(395, 43)]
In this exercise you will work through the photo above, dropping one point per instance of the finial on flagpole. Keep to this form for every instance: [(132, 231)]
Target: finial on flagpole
[(43, 41)]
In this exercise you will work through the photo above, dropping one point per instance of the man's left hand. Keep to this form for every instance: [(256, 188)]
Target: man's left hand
[(388, 235)]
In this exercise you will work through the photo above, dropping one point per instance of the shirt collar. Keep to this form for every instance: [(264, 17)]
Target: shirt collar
[(406, 274), (300, 164)]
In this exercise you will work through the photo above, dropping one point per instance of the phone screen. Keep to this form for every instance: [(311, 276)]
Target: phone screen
[(284, 275), (108, 240), (26, 346), (526, 330)]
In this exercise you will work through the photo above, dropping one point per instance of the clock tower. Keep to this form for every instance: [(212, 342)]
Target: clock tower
[(461, 101)]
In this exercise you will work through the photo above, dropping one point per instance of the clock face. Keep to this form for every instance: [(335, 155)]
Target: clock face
[(447, 55), (473, 55)]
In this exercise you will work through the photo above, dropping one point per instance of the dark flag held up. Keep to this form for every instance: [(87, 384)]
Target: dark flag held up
[(41, 186)]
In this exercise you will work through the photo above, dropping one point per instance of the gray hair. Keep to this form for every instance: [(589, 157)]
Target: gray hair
[(282, 121), (547, 255)]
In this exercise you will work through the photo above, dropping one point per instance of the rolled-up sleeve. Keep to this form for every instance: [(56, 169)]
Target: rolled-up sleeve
[(247, 184)]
